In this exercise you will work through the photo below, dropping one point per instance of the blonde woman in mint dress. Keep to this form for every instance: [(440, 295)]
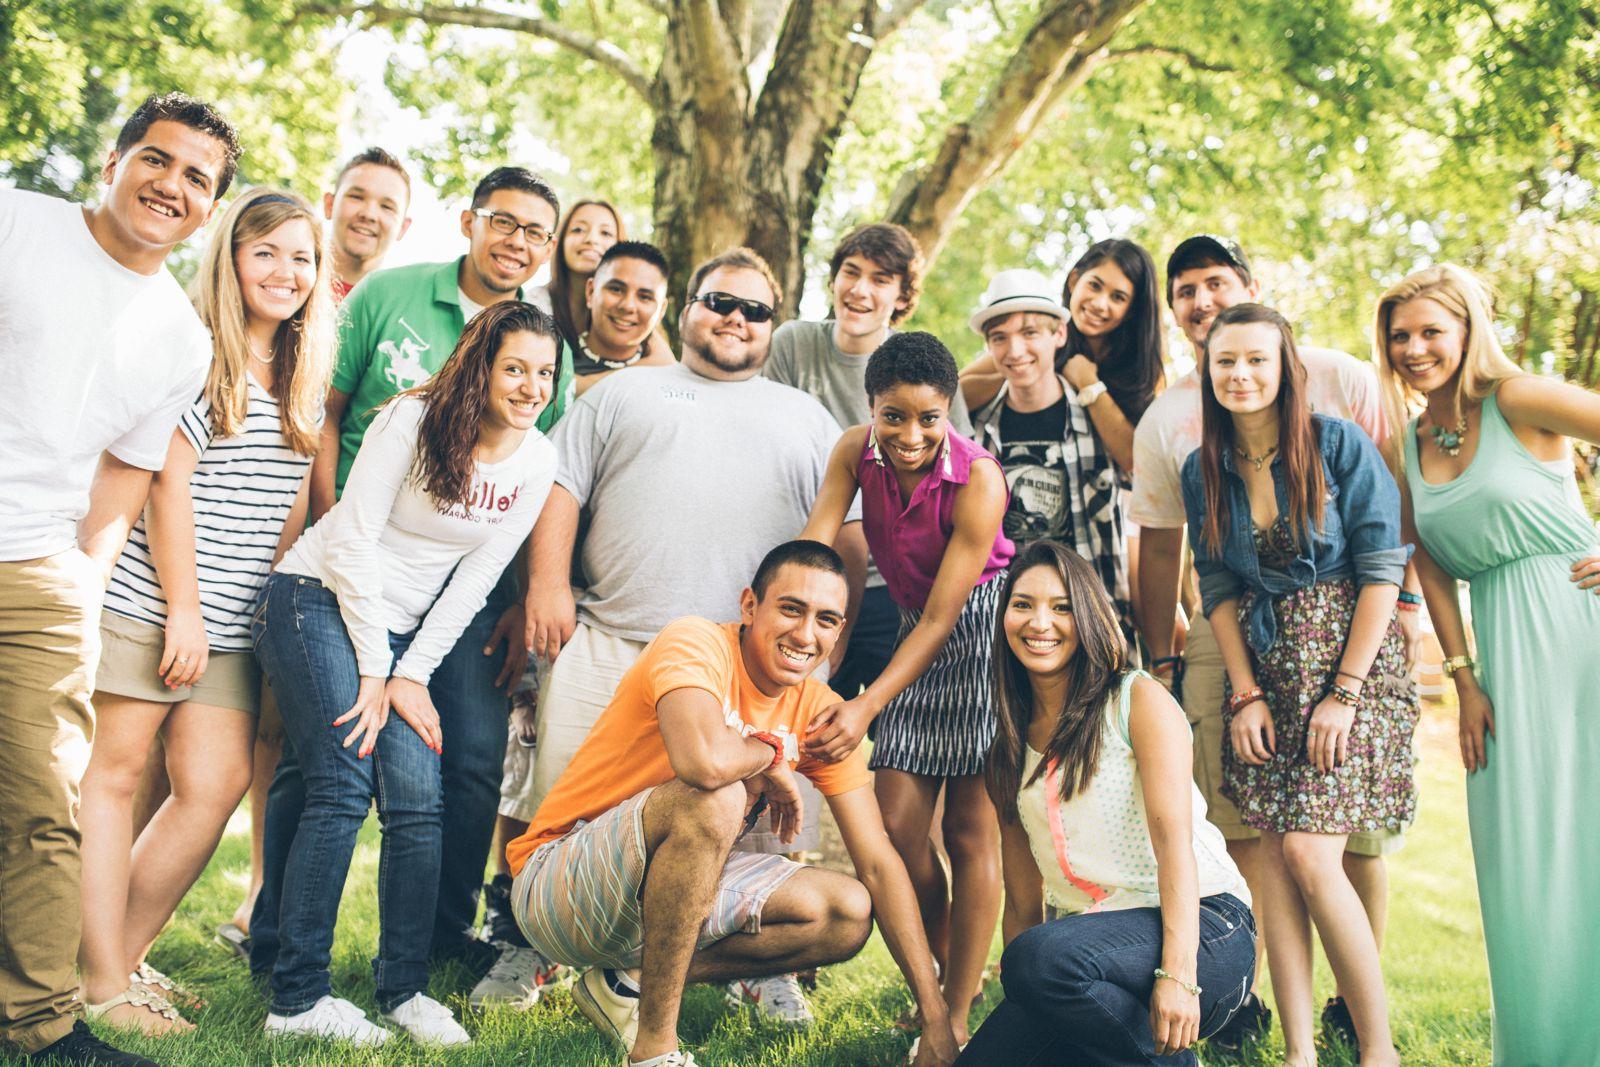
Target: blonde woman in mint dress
[(1493, 501)]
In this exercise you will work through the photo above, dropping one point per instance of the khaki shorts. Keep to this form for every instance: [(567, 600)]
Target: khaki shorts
[(131, 653), (577, 899), (1203, 686)]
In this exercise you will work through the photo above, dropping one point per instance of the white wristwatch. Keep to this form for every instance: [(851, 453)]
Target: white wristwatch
[(1090, 393)]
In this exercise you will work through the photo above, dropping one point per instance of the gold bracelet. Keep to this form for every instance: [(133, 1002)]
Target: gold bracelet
[(1190, 987), (1456, 663)]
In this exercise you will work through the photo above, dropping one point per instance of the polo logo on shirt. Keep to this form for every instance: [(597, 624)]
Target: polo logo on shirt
[(735, 721), (405, 369)]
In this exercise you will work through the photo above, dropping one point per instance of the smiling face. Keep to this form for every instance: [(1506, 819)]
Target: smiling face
[(1024, 346), (1426, 344), (367, 211), (1199, 293), (503, 263), (1246, 365), (865, 297), (162, 189), (1099, 299), (591, 230), (793, 627), (626, 301), (277, 271), (1039, 625), (521, 381), (910, 423), (727, 346)]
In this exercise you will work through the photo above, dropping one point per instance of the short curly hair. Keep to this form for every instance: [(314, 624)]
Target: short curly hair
[(914, 358)]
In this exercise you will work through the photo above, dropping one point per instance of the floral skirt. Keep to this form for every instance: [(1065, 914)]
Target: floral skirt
[(1373, 788)]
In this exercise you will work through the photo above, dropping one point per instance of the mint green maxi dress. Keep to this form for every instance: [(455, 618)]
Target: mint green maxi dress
[(1512, 526)]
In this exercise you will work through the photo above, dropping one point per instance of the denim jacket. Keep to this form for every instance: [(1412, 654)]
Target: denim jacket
[(1359, 537)]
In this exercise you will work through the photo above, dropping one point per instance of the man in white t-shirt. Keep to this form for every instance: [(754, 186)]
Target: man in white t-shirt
[(691, 473), (100, 352), (1204, 275)]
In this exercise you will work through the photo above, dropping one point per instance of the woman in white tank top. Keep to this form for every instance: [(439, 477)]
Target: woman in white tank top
[(1128, 929)]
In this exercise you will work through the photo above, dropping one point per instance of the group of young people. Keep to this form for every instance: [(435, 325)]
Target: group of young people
[(254, 541)]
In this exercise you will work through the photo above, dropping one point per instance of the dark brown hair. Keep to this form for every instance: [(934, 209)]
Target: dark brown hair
[(561, 274), (893, 249), (1303, 484), (195, 114), (1094, 672), (455, 399)]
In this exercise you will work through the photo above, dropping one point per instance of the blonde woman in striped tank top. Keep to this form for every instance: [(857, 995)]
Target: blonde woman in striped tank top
[(176, 629), (1128, 930)]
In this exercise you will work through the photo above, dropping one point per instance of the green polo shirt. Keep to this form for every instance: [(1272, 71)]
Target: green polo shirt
[(396, 329)]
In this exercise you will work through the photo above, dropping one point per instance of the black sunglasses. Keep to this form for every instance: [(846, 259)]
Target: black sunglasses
[(725, 303)]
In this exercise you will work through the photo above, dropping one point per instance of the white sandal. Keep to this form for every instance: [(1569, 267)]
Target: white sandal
[(139, 995), (164, 987)]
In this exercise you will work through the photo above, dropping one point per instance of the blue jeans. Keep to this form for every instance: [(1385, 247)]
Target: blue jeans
[(872, 641), (472, 718), (305, 651), (1078, 988)]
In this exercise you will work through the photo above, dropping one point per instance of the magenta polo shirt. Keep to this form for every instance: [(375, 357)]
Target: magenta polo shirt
[(908, 539)]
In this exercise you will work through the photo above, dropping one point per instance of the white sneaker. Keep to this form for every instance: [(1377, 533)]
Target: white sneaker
[(428, 1022), (779, 998), (676, 1058), (329, 1017), (517, 977)]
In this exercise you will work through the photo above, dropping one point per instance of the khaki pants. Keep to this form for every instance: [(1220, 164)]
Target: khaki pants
[(1203, 687), (49, 647)]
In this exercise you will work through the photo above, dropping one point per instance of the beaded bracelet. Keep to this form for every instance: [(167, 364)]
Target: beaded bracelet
[(1406, 605), (1408, 597), (1190, 987), (1348, 697), (1241, 700)]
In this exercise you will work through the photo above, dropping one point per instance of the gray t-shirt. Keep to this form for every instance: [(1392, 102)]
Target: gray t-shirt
[(689, 483), (804, 356)]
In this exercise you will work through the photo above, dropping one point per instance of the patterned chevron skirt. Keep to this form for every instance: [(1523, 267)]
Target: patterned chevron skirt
[(943, 723)]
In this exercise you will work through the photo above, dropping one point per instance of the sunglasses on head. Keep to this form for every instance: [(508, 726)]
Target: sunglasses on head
[(725, 303)]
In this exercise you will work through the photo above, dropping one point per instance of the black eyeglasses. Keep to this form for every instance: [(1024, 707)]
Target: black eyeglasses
[(725, 303), (500, 222)]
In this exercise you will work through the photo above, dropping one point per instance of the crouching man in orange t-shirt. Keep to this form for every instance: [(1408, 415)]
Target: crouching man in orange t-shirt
[(627, 868)]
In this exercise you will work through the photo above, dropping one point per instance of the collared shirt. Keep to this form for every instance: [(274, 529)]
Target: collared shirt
[(1093, 493), (909, 538), (1359, 537), (396, 329)]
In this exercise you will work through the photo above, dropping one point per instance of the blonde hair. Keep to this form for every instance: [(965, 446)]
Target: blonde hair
[(1484, 364), (303, 346)]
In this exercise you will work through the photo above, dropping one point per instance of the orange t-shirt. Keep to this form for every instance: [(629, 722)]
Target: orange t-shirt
[(625, 755)]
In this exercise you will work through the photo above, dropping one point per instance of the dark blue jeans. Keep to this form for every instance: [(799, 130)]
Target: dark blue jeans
[(301, 641), (1078, 988), (472, 718), (872, 641)]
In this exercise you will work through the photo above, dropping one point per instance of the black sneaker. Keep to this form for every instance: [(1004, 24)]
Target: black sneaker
[(81, 1046), (499, 922), (475, 956), (1251, 1022), (1337, 1026)]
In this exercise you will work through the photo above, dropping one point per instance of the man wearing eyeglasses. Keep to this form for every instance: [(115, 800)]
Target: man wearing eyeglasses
[(397, 328), (690, 473)]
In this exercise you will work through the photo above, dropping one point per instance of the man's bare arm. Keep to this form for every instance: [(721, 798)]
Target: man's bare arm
[(116, 498)]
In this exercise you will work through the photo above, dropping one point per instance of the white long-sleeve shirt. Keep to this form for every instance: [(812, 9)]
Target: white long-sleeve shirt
[(394, 560)]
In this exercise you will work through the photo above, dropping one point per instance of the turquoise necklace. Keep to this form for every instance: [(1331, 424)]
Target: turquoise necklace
[(1449, 441)]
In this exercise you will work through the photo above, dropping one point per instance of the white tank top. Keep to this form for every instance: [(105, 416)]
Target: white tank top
[(1094, 850)]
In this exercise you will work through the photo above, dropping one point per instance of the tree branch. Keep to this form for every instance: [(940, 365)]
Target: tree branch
[(1169, 52), (718, 73), (603, 52), (1055, 56)]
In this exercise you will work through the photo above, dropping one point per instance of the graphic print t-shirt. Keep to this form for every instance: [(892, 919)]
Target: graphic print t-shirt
[(1036, 474)]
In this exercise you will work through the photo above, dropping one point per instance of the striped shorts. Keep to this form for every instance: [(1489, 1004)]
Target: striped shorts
[(577, 899), (942, 724)]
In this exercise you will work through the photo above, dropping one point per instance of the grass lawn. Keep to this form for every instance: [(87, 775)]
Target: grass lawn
[(1434, 962)]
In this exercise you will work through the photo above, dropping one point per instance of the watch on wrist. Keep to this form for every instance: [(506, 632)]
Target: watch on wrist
[(770, 739), (1091, 393)]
